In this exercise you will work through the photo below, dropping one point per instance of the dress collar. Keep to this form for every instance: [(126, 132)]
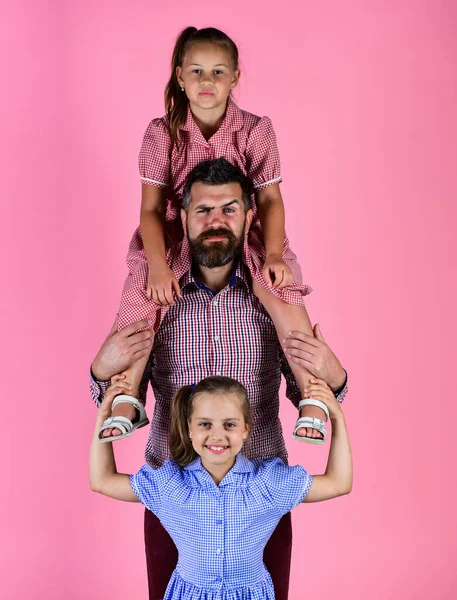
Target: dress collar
[(233, 120), (242, 465)]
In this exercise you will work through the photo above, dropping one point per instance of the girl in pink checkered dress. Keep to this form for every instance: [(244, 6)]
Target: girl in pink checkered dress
[(202, 122)]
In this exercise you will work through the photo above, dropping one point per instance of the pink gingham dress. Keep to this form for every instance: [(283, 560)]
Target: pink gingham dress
[(245, 140)]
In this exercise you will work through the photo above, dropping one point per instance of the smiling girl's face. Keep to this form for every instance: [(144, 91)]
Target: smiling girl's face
[(217, 429), (207, 75)]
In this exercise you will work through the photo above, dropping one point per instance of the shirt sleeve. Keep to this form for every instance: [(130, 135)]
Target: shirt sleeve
[(292, 388), (288, 486), (340, 394), (98, 388), (262, 155), (155, 154)]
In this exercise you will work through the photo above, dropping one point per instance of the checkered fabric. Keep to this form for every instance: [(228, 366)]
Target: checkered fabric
[(231, 334), (245, 140), (221, 531)]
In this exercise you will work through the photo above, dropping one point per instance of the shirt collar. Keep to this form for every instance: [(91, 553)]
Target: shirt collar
[(233, 120), (238, 274)]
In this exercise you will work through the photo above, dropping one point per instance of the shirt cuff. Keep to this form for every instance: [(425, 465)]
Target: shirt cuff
[(98, 387), (341, 392)]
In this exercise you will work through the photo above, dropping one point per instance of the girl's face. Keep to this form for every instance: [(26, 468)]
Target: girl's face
[(217, 429), (207, 75)]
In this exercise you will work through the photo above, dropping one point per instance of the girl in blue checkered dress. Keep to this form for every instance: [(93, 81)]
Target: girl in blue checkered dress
[(219, 507)]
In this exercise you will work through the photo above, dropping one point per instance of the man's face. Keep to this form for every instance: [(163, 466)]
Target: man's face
[(216, 223)]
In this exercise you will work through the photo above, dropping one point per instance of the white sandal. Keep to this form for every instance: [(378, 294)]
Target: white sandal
[(124, 424), (312, 422)]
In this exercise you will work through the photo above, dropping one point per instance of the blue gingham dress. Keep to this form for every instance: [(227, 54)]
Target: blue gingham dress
[(221, 531)]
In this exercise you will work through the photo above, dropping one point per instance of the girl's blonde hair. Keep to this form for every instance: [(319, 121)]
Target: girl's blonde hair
[(182, 407), (175, 99)]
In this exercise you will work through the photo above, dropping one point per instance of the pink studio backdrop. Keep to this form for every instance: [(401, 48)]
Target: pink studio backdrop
[(363, 97)]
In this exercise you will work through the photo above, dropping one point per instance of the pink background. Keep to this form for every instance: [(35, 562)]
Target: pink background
[(363, 97)]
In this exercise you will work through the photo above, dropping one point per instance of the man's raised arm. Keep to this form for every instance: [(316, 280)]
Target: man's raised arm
[(118, 352), (314, 354)]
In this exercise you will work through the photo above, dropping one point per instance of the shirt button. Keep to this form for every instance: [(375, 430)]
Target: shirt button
[(218, 521), (218, 372), (218, 579), (216, 338), (218, 551)]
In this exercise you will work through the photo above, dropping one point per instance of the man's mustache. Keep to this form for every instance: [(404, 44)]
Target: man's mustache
[(209, 233)]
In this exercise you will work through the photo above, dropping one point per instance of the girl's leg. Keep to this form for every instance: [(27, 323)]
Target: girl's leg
[(288, 317), (133, 375)]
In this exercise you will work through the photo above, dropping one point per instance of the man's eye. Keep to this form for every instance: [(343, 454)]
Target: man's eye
[(228, 210), (202, 210)]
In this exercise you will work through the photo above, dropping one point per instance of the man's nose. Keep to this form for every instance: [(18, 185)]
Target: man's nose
[(215, 219)]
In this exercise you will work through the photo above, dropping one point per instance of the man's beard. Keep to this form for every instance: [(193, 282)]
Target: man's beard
[(216, 254)]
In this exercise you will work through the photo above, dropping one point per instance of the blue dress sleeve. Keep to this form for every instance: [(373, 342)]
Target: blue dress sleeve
[(148, 484), (288, 486)]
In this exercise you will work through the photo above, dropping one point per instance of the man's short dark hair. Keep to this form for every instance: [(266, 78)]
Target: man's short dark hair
[(218, 171)]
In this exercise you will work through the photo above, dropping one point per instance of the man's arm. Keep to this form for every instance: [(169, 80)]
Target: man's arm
[(118, 352), (314, 354)]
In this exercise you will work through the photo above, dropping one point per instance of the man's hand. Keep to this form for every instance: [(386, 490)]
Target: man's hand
[(121, 349), (313, 353)]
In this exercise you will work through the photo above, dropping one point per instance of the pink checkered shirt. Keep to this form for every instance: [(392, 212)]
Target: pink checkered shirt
[(228, 333), (245, 140)]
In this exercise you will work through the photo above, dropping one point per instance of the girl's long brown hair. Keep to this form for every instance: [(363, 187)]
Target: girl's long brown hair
[(181, 448), (176, 100)]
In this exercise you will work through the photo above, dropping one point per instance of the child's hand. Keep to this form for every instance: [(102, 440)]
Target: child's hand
[(162, 283), (118, 386), (276, 272), (319, 390)]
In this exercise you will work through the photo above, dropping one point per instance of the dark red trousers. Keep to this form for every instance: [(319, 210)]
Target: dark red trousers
[(162, 556)]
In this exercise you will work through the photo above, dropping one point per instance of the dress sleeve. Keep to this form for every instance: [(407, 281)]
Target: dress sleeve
[(288, 486), (262, 155), (155, 154), (146, 486)]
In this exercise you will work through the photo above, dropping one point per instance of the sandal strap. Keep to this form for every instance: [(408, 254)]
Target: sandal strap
[(314, 402), (122, 423), (133, 401), (313, 423)]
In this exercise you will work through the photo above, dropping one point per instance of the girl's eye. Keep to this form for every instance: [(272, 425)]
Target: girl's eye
[(203, 424), (217, 72), (230, 425), (196, 71)]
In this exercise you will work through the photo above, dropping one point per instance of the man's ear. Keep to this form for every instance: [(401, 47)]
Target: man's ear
[(249, 215), (184, 219)]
